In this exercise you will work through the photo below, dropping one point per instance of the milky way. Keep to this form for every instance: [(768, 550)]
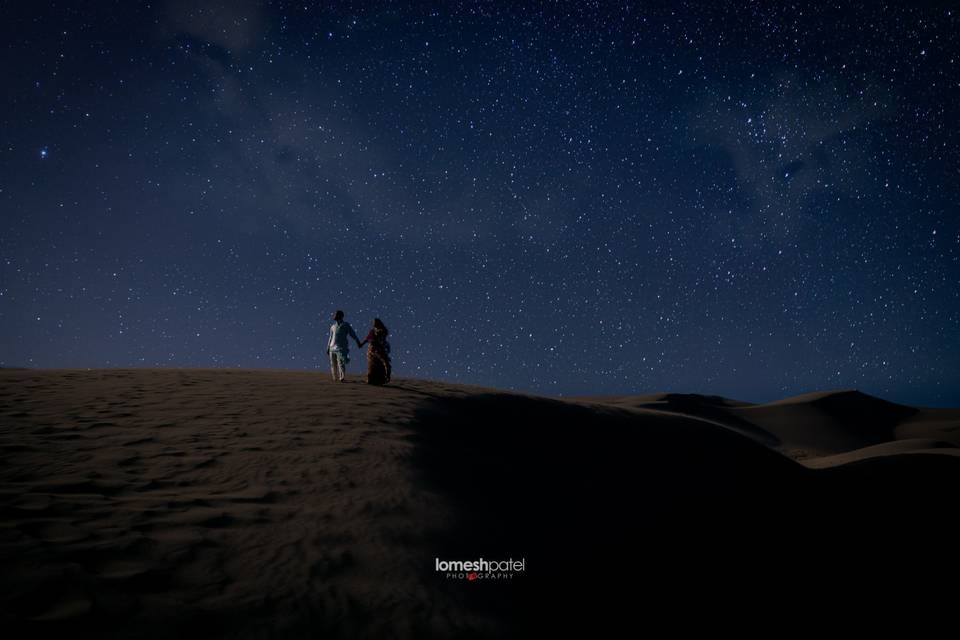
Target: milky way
[(732, 198)]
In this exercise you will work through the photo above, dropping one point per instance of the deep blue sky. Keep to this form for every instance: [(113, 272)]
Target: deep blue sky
[(728, 198)]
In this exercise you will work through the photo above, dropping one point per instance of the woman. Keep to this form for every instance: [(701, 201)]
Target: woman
[(378, 354)]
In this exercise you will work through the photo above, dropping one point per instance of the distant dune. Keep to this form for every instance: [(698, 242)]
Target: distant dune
[(815, 426), (159, 503)]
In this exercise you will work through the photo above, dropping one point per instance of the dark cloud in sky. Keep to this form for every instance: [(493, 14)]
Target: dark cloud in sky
[(795, 139), (235, 26)]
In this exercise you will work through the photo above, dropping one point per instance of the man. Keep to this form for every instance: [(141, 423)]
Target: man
[(338, 348)]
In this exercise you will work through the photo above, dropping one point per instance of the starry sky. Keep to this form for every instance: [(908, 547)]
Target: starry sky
[(751, 199)]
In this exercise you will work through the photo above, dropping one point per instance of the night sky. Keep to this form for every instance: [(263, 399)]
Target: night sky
[(747, 199)]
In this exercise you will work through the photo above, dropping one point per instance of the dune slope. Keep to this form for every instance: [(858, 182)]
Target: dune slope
[(816, 427), (229, 503)]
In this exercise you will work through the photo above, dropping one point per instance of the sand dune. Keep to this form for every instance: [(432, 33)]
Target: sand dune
[(816, 426), (240, 503)]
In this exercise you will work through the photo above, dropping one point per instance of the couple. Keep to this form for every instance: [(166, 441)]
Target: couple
[(378, 354)]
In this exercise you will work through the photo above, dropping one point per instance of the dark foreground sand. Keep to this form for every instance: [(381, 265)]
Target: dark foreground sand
[(235, 503)]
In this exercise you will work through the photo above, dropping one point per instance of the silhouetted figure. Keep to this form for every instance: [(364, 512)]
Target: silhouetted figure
[(338, 346), (378, 354)]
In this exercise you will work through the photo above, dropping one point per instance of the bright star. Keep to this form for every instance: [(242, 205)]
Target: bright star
[(43, 153)]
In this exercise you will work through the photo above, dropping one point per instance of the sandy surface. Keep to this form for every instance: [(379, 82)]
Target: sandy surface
[(814, 427), (240, 503)]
